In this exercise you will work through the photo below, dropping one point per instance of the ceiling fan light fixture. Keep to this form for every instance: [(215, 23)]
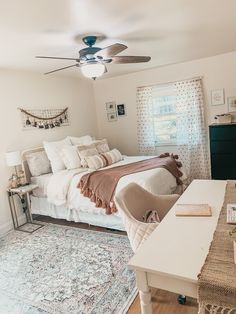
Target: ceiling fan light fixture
[(93, 70)]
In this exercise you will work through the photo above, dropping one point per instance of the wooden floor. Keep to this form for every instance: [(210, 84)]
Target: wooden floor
[(163, 302)]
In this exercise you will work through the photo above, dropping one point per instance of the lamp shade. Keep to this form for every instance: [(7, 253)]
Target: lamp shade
[(92, 70), (13, 158)]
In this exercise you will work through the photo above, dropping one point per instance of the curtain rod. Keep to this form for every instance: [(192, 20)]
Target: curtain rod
[(168, 83)]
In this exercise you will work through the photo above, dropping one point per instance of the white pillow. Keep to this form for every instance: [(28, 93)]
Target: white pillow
[(38, 163), (53, 150), (102, 146), (85, 151), (70, 157), (82, 140)]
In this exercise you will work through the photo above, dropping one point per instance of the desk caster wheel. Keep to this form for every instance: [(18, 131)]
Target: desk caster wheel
[(181, 299)]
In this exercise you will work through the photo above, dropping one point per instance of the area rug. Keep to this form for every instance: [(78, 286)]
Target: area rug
[(63, 270)]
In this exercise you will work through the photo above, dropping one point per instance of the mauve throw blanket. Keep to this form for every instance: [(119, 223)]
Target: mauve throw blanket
[(100, 185)]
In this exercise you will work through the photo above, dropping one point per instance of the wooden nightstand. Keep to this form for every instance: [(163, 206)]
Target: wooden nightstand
[(24, 194)]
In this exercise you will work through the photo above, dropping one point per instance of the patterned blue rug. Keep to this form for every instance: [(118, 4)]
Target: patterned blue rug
[(65, 270)]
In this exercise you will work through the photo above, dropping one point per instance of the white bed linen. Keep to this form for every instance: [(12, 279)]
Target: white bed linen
[(41, 206), (42, 182), (62, 187)]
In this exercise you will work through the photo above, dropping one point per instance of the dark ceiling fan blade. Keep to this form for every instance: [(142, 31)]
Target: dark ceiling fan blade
[(43, 57), (110, 51), (70, 66), (130, 59)]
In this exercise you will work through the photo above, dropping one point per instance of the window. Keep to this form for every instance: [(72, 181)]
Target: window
[(164, 115)]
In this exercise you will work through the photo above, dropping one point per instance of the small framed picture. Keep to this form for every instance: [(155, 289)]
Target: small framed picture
[(112, 116), (111, 106), (217, 97), (121, 110), (231, 104)]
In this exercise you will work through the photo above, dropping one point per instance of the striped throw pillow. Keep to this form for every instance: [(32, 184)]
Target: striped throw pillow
[(112, 156), (96, 161)]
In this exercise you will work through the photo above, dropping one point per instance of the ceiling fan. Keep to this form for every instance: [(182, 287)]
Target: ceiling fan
[(92, 60)]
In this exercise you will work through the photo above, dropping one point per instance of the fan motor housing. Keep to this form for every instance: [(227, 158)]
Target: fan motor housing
[(88, 52)]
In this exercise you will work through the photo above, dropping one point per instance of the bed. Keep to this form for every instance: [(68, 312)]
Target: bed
[(57, 195)]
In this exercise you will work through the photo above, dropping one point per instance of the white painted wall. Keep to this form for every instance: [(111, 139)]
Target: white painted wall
[(31, 90), (218, 72)]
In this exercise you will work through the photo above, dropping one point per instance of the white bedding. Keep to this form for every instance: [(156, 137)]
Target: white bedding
[(62, 186), (42, 182), (59, 197)]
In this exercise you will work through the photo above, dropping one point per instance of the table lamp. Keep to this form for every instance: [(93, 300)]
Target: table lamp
[(13, 159)]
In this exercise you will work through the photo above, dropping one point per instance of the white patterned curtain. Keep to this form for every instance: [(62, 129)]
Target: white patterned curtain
[(146, 140), (191, 129)]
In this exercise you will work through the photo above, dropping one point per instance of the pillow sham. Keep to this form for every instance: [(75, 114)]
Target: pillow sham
[(96, 161), (70, 157), (86, 151), (102, 146), (38, 163), (112, 156), (82, 140), (52, 150)]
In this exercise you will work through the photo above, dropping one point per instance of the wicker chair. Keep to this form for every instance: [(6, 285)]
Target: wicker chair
[(132, 202)]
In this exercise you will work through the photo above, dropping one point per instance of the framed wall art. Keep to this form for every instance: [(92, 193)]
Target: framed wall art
[(121, 110), (231, 104), (111, 106), (112, 116), (217, 97)]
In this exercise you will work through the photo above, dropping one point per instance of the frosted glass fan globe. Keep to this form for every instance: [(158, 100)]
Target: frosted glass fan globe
[(93, 70)]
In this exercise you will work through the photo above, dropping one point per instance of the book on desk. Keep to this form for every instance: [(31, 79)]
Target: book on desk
[(231, 214), (197, 210)]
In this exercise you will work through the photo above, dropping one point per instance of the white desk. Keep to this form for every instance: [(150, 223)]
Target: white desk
[(174, 254)]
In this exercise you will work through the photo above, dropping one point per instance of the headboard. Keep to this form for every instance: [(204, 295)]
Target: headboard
[(24, 164)]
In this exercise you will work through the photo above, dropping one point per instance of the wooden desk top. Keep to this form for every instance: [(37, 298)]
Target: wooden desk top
[(179, 245)]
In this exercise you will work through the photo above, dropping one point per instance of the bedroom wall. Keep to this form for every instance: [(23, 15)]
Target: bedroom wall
[(33, 90), (218, 72)]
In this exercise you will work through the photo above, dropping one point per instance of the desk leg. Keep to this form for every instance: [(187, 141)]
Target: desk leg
[(144, 292)]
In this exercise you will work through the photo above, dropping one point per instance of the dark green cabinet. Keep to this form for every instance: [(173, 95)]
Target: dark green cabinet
[(223, 151)]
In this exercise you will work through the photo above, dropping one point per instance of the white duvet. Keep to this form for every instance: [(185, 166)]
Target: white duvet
[(62, 186)]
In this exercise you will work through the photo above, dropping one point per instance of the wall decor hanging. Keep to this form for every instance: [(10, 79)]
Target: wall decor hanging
[(112, 116), (44, 118), (111, 106), (217, 97), (121, 110), (232, 104)]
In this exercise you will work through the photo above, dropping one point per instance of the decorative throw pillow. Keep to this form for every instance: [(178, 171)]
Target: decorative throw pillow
[(102, 146), (38, 163), (151, 216), (86, 151), (52, 150), (82, 140), (96, 161), (70, 157), (112, 156)]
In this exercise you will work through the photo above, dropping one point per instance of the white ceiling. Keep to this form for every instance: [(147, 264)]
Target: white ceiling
[(170, 31)]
